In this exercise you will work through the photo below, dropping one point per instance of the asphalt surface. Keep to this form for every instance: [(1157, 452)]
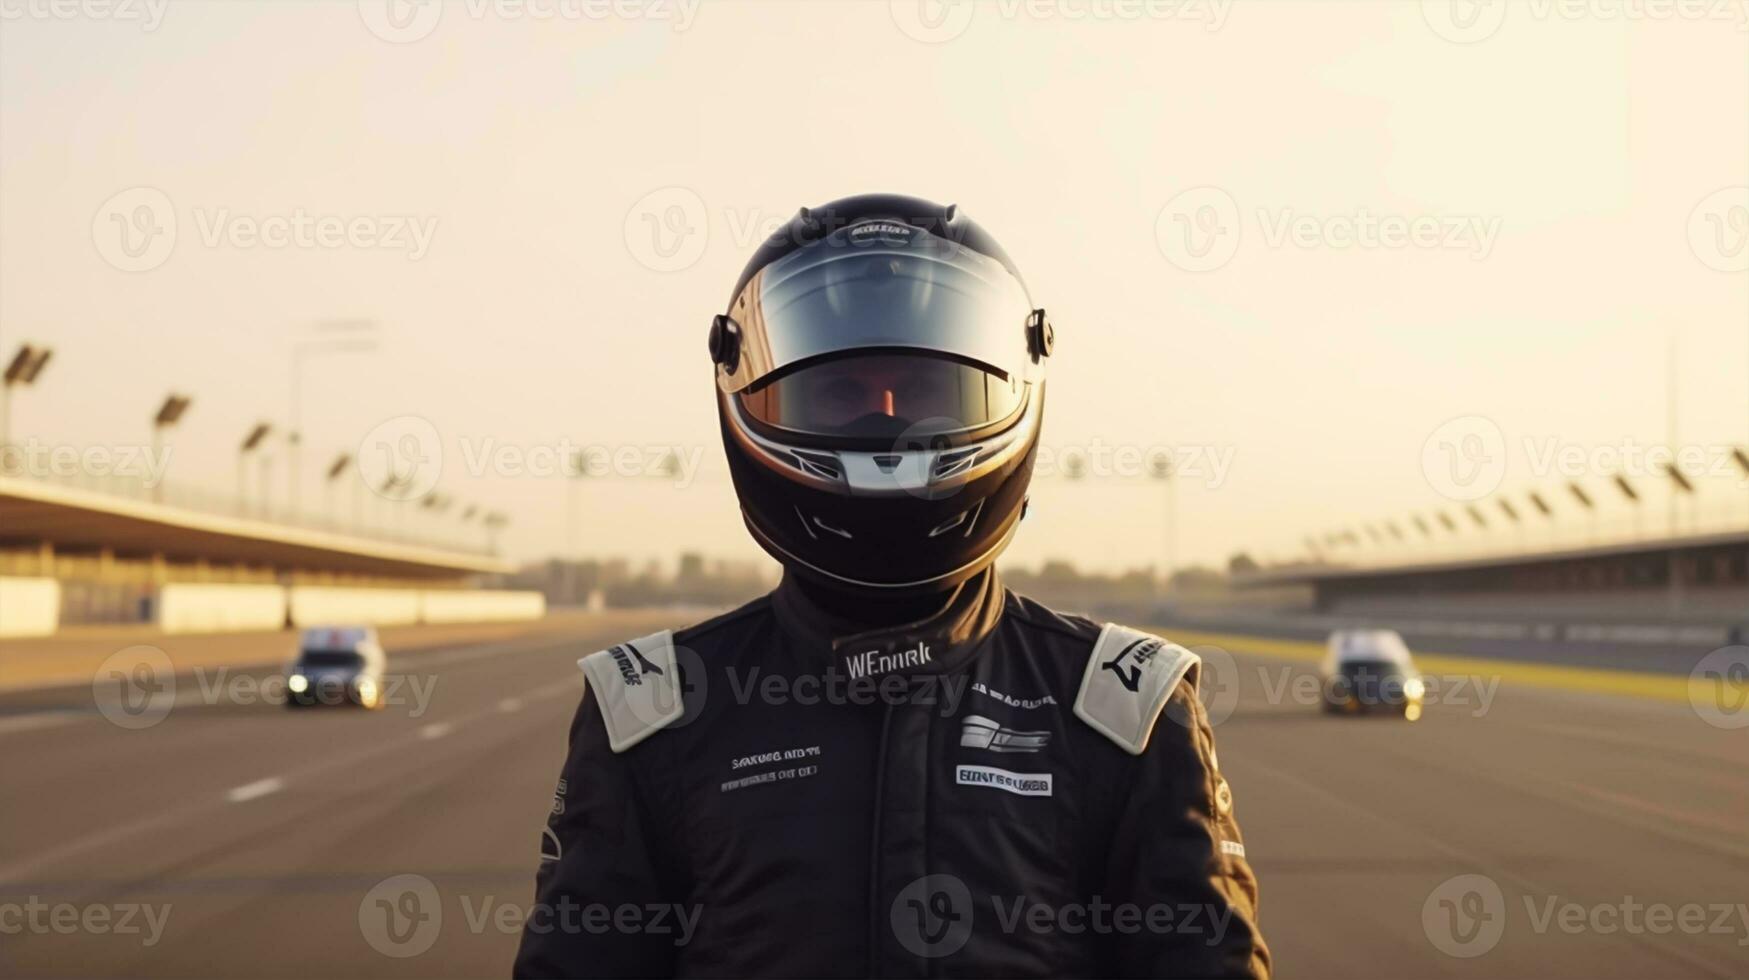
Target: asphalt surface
[(236, 838)]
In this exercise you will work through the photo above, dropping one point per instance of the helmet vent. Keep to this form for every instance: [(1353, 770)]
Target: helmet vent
[(888, 464), (822, 525), (953, 464), (823, 465), (966, 518)]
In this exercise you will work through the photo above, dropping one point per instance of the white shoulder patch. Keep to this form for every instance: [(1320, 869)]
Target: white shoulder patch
[(1129, 676), (637, 685)]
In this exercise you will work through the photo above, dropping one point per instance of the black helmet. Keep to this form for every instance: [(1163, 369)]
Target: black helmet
[(880, 382)]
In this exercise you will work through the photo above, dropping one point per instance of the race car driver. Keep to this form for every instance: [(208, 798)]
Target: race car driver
[(891, 765)]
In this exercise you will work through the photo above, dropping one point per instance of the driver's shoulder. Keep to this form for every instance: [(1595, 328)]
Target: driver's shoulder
[(1122, 677)]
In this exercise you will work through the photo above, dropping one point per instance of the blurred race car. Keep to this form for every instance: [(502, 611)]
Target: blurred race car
[(336, 665), (1370, 670)]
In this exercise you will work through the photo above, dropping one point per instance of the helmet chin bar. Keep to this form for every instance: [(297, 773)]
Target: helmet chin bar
[(942, 582), (890, 543)]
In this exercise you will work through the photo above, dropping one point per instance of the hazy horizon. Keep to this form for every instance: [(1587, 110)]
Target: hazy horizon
[(1290, 243)]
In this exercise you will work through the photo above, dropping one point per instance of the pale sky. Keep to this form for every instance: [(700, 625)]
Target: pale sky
[(493, 185)]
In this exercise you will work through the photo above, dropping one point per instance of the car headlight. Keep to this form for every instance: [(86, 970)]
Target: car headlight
[(297, 683), (1413, 687)]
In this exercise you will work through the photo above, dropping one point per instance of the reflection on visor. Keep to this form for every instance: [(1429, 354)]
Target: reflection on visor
[(882, 395)]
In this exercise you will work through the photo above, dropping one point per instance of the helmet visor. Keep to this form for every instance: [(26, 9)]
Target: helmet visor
[(882, 396), (880, 286)]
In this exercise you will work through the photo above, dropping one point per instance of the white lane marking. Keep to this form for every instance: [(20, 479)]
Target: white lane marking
[(509, 705), (32, 722), (436, 729), (255, 790), (40, 860)]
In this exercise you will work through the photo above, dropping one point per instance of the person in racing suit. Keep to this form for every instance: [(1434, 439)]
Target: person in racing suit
[(891, 765)]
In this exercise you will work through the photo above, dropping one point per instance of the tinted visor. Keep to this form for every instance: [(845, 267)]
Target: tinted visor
[(880, 396), (879, 286)]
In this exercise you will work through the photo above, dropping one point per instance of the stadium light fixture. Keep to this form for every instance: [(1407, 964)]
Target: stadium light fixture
[(168, 415), (251, 442), (256, 437), (21, 372), (1580, 495), (1679, 478), (171, 411), (1541, 505), (27, 364)]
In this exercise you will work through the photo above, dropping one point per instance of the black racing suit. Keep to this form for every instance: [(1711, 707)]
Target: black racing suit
[(911, 802)]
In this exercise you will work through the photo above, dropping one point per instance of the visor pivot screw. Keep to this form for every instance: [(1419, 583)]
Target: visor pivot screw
[(1041, 337), (725, 343)]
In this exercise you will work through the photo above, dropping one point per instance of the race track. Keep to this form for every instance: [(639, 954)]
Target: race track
[(259, 836)]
